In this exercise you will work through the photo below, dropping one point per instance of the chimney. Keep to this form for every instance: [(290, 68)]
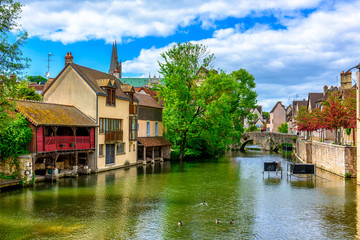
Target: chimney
[(69, 58), (345, 80), (116, 73), (325, 90)]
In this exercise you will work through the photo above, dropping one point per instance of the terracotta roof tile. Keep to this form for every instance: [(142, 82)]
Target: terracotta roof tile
[(154, 141), (94, 78), (147, 100), (41, 113), (313, 98), (276, 106)]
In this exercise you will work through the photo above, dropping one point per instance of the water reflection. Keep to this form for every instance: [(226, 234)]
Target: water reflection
[(146, 202)]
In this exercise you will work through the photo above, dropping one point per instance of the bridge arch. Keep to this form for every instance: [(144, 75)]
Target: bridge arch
[(242, 147)]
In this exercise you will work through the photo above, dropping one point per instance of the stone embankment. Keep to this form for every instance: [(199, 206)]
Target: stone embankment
[(340, 160)]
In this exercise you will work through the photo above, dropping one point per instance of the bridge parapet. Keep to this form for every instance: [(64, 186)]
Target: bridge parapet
[(268, 140)]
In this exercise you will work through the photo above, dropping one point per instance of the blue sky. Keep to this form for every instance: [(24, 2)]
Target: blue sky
[(291, 47)]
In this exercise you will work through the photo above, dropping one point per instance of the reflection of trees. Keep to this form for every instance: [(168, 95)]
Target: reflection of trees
[(221, 185)]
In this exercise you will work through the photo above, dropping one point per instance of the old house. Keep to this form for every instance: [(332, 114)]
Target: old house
[(296, 105), (258, 119), (100, 97), (63, 137), (277, 117), (151, 143)]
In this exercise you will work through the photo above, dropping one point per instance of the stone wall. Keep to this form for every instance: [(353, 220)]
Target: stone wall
[(333, 158), (24, 168)]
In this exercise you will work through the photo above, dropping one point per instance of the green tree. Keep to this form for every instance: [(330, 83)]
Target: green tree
[(11, 58), (266, 114), (14, 130), (38, 79), (284, 128), (203, 108), (14, 138), (23, 91)]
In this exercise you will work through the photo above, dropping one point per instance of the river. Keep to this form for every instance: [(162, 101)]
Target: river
[(147, 203)]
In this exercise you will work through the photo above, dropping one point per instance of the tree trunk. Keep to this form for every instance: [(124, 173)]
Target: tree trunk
[(182, 148)]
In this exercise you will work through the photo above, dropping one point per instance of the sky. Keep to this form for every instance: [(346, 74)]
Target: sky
[(291, 47)]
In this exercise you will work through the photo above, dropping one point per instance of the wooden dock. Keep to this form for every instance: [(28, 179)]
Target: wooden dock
[(9, 182)]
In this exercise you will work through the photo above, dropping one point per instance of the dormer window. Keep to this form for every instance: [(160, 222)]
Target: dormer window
[(111, 97)]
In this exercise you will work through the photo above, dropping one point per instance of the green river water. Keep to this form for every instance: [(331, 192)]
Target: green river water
[(146, 202)]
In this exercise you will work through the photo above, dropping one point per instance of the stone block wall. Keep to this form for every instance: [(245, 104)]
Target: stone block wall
[(24, 168), (333, 158)]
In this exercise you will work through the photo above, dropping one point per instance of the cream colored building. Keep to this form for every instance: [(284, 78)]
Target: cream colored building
[(152, 145), (100, 97)]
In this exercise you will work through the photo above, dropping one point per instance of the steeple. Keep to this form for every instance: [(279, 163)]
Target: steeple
[(114, 64)]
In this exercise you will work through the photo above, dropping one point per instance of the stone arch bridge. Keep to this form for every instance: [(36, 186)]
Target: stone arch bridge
[(269, 141)]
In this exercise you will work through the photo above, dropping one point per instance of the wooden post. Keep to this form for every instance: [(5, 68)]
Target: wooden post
[(76, 158), (162, 153), (144, 154), (74, 132), (55, 135), (153, 154)]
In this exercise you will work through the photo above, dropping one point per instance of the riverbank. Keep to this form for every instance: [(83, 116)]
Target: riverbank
[(11, 183), (337, 159)]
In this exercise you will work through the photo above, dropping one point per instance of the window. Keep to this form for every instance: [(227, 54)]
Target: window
[(148, 129), (134, 148), (111, 97), (101, 150), (132, 128), (156, 128), (109, 124), (120, 148)]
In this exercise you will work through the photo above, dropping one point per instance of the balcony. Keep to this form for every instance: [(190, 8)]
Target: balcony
[(61, 143), (116, 135), (132, 109)]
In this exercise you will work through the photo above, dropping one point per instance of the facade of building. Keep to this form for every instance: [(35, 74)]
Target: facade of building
[(151, 143), (63, 138), (100, 97), (277, 117), (296, 105), (258, 121)]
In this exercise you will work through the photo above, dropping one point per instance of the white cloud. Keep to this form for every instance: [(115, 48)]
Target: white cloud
[(70, 21), (302, 58)]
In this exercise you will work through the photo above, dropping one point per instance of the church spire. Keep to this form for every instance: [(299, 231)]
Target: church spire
[(114, 64)]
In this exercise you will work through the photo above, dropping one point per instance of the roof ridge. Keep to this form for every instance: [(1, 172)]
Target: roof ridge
[(26, 100), (93, 70)]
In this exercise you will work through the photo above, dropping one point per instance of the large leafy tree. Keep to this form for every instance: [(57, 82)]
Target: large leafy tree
[(202, 107), (11, 57), (12, 62), (339, 112)]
